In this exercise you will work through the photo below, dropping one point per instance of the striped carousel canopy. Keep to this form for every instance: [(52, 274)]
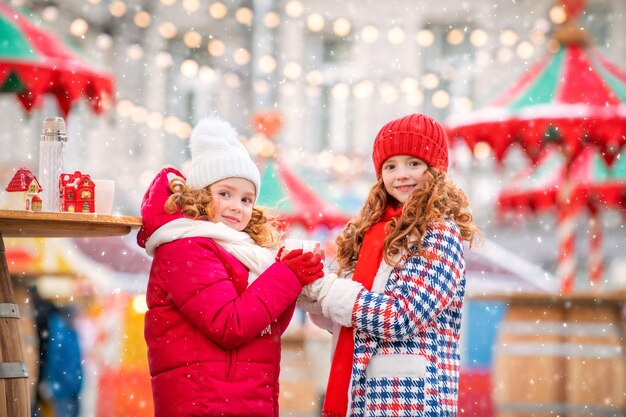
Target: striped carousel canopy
[(33, 62), (595, 184), (572, 97)]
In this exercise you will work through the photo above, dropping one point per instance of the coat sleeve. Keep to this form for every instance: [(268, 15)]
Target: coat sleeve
[(426, 285), (198, 284)]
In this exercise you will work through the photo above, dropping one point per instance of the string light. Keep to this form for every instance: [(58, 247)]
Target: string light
[(117, 8), (142, 19), (315, 22), (294, 8), (244, 15), (241, 56), (218, 10), (79, 27), (167, 30), (369, 33), (342, 27), (396, 35), (216, 47)]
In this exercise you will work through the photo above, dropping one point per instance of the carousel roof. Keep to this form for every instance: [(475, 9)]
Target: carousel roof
[(573, 96), (34, 62), (595, 184)]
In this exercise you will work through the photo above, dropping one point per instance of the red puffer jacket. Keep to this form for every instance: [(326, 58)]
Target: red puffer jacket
[(213, 340)]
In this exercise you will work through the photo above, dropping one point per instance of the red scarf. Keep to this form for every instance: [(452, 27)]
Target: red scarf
[(370, 257)]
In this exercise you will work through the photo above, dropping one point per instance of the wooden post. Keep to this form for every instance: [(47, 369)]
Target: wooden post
[(14, 397)]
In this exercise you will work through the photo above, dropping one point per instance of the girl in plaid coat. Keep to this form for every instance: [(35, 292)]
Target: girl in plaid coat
[(396, 318)]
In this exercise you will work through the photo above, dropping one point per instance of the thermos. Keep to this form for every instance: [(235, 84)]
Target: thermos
[(52, 160)]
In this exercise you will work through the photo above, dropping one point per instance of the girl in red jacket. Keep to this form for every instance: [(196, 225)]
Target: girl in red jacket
[(396, 318), (218, 302)]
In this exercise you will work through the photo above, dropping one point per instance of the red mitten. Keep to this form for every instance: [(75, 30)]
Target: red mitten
[(307, 267)]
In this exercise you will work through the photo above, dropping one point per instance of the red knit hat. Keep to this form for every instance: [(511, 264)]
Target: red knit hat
[(416, 135)]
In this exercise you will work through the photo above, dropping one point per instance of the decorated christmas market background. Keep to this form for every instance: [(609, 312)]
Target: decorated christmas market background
[(98, 95)]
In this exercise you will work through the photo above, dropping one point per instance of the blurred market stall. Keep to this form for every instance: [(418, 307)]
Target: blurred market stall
[(33, 62), (572, 98)]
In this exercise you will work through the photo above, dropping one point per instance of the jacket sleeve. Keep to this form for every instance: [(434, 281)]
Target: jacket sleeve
[(198, 284), (426, 286)]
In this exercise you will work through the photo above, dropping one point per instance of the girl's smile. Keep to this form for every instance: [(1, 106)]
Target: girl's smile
[(402, 174)]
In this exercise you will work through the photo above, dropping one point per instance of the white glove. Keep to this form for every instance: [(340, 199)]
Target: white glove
[(318, 290)]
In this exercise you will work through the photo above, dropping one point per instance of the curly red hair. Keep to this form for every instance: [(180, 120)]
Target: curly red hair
[(198, 204), (439, 198)]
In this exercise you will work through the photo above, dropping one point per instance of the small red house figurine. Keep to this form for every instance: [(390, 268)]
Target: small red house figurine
[(22, 191), (77, 193)]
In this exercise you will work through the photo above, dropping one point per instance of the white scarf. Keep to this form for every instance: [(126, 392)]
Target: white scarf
[(238, 244)]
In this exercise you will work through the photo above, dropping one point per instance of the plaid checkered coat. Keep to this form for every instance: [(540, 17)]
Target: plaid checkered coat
[(406, 330)]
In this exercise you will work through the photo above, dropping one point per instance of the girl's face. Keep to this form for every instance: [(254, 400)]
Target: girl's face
[(402, 174), (233, 200)]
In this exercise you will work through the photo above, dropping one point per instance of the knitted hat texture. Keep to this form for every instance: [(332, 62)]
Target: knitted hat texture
[(217, 154), (417, 135)]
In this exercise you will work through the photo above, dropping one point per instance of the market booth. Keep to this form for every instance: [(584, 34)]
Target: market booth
[(561, 353)]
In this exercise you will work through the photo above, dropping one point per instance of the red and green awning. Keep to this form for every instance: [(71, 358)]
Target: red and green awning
[(594, 183), (573, 97), (33, 62), (295, 202)]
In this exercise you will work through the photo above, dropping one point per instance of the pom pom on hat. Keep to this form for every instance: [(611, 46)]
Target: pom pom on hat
[(217, 154), (417, 135)]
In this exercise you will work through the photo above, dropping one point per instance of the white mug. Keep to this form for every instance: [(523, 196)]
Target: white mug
[(305, 245), (104, 191)]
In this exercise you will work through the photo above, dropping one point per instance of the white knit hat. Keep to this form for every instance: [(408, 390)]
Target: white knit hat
[(217, 154)]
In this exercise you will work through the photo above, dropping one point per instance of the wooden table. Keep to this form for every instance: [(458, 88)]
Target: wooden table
[(14, 397)]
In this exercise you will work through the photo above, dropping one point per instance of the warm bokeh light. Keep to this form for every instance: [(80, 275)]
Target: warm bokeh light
[(104, 42), (455, 36), (232, 80), (244, 15), (342, 27), (191, 5), (425, 38), (50, 13), (142, 19), (441, 99), (117, 8), (315, 22), (369, 33), (315, 77), (167, 30), (557, 15), (134, 52), (216, 47), (482, 150), (340, 91), (164, 60), (463, 104), (363, 89), (396, 35), (479, 38), (79, 27), (508, 37), (207, 74), (388, 92), (267, 64), (409, 85), (192, 39), (292, 70), (155, 120), (189, 68), (430, 80), (125, 108), (271, 20), (218, 10), (241, 56), (525, 50), (294, 8)]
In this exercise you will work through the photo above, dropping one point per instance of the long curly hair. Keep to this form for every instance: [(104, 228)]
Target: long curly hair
[(263, 228), (437, 198)]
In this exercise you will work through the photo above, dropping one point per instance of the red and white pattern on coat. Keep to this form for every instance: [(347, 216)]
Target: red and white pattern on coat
[(419, 313)]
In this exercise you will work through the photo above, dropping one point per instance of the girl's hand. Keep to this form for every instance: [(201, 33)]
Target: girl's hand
[(306, 266)]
